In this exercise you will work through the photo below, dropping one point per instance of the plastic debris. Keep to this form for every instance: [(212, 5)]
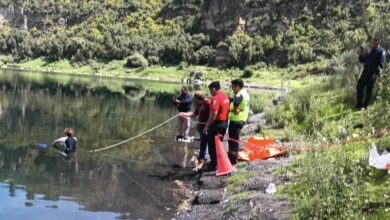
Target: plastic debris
[(381, 162), (271, 189), (342, 130)]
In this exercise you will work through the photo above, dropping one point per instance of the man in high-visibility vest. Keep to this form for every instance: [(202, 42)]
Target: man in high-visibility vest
[(238, 115)]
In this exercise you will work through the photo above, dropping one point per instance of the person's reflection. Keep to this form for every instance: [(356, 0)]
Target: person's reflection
[(185, 158), (12, 189)]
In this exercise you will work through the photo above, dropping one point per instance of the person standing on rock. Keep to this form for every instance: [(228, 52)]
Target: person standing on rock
[(374, 62), (217, 121), (184, 103), (238, 115)]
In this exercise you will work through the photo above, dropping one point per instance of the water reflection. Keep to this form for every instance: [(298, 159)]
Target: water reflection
[(40, 208), (34, 108)]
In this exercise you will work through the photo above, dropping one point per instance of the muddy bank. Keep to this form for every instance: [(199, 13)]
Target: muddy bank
[(241, 195)]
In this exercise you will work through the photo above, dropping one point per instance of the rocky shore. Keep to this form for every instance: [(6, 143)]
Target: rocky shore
[(249, 193)]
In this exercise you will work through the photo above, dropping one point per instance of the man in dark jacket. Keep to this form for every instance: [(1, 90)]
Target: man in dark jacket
[(373, 62), (184, 103)]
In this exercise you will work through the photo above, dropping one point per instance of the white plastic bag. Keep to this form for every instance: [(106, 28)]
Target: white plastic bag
[(378, 161), (271, 189)]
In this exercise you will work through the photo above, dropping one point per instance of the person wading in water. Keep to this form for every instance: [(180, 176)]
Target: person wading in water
[(69, 142)]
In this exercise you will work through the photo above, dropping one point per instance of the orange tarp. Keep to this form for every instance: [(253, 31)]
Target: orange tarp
[(260, 148)]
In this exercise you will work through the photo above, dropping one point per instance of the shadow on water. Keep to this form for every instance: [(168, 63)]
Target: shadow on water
[(131, 181)]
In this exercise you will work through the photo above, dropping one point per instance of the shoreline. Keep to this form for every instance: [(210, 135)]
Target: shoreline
[(210, 196), (241, 194), (224, 84)]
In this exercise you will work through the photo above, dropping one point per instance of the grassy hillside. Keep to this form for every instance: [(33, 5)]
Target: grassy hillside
[(336, 182), (199, 32)]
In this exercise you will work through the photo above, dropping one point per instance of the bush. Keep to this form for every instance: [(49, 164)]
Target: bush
[(153, 60), (248, 73), (300, 53), (204, 55), (258, 66), (137, 60)]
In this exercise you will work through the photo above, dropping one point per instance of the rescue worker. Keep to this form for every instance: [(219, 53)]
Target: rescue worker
[(184, 103), (374, 62), (238, 115), (217, 121)]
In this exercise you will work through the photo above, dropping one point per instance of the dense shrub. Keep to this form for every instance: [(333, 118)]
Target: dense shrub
[(300, 53), (248, 73), (204, 55), (173, 31), (153, 60), (137, 60)]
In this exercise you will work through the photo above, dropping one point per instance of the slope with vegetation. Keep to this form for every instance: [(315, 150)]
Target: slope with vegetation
[(199, 32), (301, 36)]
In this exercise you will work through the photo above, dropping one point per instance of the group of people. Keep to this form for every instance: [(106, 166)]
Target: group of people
[(216, 115)]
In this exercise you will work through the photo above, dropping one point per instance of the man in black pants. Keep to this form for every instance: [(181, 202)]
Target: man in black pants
[(373, 61), (238, 115), (217, 121)]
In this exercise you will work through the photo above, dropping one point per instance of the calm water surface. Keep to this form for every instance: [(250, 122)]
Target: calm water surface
[(123, 183)]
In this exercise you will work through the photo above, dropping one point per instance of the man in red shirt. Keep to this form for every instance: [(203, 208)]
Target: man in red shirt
[(217, 121)]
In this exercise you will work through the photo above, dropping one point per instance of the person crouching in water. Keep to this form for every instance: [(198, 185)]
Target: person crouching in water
[(202, 111), (184, 102), (69, 142)]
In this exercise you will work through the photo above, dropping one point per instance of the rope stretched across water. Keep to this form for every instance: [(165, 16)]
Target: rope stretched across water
[(135, 137)]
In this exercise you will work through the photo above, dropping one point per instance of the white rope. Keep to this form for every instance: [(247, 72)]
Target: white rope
[(132, 138), (195, 122)]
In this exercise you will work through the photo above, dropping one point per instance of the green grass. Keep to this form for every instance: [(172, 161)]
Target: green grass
[(334, 183), (237, 179)]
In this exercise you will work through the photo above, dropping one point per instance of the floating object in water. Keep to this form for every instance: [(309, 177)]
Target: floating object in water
[(224, 166), (260, 148), (62, 153), (381, 162), (40, 146), (59, 146)]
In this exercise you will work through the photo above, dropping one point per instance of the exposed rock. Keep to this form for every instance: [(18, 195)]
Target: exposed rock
[(208, 197), (212, 182), (203, 212)]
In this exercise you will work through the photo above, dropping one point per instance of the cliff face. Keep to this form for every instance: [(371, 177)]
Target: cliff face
[(221, 17), (7, 16)]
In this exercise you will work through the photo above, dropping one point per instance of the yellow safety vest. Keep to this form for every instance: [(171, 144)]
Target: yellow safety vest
[(244, 108)]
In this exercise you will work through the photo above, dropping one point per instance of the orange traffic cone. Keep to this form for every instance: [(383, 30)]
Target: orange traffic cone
[(224, 166)]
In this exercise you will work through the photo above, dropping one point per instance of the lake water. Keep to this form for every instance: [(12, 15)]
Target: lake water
[(126, 182)]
